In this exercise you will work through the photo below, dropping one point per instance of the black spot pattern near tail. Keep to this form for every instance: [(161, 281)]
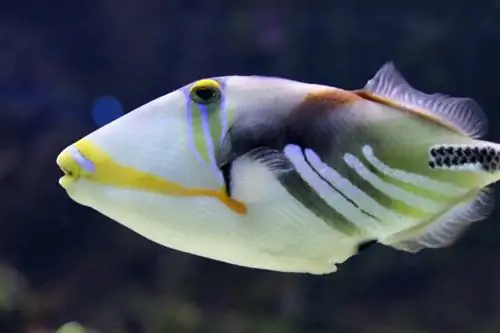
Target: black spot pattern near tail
[(464, 157)]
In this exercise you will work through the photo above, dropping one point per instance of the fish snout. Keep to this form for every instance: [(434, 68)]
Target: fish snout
[(74, 165)]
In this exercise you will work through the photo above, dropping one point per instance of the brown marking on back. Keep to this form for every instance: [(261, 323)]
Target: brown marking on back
[(332, 97), (327, 100), (394, 104)]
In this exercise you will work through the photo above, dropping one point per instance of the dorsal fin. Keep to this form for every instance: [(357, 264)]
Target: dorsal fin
[(461, 113), (449, 227)]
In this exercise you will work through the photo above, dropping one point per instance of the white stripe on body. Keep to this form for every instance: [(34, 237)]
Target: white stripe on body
[(334, 199), (396, 193), (358, 196), (421, 181)]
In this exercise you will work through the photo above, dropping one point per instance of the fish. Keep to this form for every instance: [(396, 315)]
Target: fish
[(281, 175)]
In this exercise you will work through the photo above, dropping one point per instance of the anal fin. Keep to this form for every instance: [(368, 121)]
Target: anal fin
[(447, 228)]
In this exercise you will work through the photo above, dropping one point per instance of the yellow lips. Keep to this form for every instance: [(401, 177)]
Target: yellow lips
[(108, 172), (70, 167)]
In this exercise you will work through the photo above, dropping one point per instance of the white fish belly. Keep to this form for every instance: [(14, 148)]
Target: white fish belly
[(280, 236)]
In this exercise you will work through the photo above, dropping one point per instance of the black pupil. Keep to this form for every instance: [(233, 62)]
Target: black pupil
[(205, 94)]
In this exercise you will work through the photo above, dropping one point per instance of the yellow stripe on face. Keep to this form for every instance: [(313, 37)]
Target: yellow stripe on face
[(108, 172)]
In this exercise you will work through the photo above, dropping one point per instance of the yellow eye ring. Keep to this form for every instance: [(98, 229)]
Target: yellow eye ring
[(205, 91)]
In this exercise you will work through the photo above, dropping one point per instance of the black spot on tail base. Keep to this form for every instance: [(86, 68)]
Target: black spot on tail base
[(464, 157)]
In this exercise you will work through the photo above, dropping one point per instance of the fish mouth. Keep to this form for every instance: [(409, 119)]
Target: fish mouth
[(74, 166), (85, 160)]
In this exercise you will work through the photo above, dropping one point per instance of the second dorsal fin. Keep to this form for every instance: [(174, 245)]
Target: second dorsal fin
[(461, 113)]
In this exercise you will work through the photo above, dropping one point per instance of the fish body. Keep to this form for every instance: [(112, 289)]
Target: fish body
[(281, 175)]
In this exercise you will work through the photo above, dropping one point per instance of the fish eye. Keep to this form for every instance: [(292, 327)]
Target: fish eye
[(205, 92)]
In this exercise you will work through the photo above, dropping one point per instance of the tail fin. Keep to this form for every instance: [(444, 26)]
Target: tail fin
[(478, 156)]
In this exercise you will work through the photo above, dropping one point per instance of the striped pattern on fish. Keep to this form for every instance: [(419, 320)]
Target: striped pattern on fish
[(277, 174)]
